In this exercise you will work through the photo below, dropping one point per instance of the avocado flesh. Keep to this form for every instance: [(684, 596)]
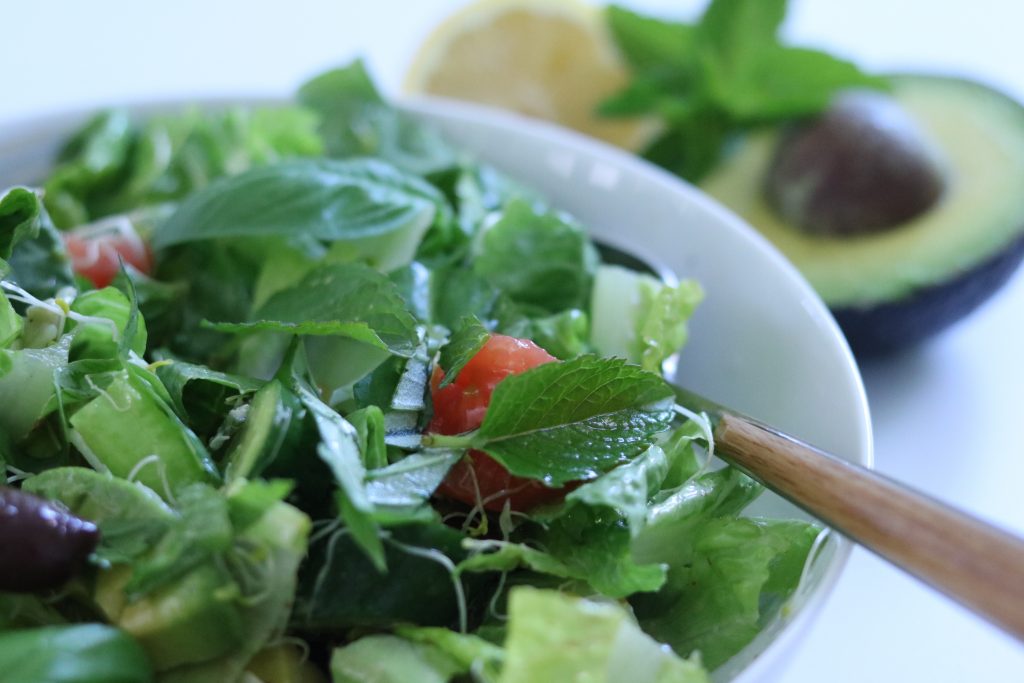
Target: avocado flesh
[(193, 620), (975, 226)]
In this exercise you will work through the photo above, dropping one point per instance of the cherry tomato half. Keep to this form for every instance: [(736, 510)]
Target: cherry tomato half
[(460, 407), (96, 251)]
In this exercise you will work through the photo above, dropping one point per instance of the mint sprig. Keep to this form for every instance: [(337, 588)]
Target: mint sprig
[(719, 76), (562, 422)]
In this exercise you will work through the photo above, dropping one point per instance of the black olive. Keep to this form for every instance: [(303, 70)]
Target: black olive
[(41, 545)]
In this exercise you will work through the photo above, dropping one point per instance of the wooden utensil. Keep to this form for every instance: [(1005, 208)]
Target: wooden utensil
[(972, 562)]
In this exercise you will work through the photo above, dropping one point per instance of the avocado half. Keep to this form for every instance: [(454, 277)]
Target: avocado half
[(890, 289)]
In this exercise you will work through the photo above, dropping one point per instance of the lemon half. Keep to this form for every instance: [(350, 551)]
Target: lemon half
[(549, 59)]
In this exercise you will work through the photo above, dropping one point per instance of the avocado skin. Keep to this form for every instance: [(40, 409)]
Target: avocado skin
[(889, 327)]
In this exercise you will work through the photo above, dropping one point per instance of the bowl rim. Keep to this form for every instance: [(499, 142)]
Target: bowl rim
[(29, 134)]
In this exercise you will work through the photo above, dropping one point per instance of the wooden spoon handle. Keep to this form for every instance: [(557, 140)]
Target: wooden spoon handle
[(972, 562)]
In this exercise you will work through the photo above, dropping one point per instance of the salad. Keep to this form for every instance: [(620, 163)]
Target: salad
[(303, 393)]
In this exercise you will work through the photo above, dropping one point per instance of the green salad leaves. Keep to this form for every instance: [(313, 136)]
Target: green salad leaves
[(376, 413)]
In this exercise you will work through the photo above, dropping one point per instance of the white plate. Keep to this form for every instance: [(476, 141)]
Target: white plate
[(762, 341)]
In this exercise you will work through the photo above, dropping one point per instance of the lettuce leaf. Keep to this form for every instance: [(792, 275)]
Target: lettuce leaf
[(558, 637)]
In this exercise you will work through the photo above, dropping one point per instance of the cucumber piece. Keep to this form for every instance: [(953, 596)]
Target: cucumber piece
[(618, 296), (128, 423)]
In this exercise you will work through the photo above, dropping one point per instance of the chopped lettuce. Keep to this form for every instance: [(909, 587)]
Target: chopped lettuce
[(557, 637)]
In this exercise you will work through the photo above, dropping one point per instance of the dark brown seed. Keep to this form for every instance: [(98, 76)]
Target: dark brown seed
[(41, 546), (863, 166)]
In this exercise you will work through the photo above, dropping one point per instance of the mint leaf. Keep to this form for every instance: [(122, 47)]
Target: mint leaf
[(788, 82), (542, 259), (732, 34), (308, 198), (348, 300), (718, 77), (561, 422), (465, 342), (648, 43)]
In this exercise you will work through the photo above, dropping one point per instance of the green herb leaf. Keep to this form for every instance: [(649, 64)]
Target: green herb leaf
[(339, 448), (469, 337), (561, 422), (131, 517), (311, 198), (349, 300), (718, 77), (200, 395), (732, 34), (79, 652), (788, 82), (30, 246), (650, 44), (356, 121), (542, 259), (400, 491), (202, 530)]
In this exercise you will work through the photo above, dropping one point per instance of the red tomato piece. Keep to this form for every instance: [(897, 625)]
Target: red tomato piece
[(461, 406), (96, 252)]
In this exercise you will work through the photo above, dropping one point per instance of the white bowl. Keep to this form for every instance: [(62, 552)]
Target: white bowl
[(762, 341)]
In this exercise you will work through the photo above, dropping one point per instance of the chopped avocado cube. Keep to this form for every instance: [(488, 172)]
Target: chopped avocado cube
[(194, 619)]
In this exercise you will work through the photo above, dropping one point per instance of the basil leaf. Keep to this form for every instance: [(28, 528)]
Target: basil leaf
[(200, 395), (311, 198), (356, 121), (348, 300), (561, 422), (90, 163), (19, 213), (78, 653), (465, 342), (542, 259), (39, 263)]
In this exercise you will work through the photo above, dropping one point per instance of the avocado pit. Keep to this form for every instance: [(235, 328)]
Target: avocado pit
[(862, 167)]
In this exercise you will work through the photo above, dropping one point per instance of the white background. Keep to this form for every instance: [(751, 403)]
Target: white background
[(947, 416)]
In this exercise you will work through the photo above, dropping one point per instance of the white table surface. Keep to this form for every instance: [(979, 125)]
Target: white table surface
[(947, 415)]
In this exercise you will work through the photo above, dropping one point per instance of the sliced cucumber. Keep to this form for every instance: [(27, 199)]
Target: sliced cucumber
[(128, 423)]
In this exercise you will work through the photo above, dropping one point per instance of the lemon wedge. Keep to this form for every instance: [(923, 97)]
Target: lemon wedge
[(549, 59)]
